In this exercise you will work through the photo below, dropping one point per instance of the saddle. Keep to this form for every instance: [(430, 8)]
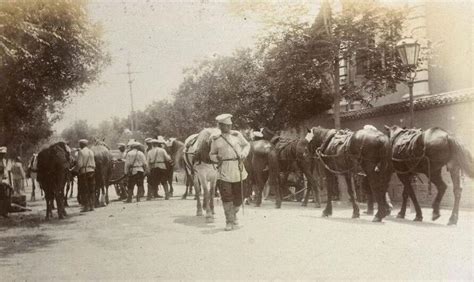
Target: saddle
[(406, 144), (286, 149), (338, 143)]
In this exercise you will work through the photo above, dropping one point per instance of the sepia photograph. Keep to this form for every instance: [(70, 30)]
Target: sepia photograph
[(184, 140)]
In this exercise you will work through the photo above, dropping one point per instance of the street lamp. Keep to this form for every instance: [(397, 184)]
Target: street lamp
[(408, 50)]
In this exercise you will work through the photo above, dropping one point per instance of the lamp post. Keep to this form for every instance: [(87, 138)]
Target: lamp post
[(408, 50)]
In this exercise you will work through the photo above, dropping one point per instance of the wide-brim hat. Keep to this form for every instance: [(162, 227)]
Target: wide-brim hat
[(148, 140), (160, 139), (224, 119), (84, 141)]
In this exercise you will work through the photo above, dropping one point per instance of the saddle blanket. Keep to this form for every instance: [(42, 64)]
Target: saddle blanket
[(286, 149), (338, 143), (408, 144)]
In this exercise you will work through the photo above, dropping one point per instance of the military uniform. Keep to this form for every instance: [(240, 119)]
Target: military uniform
[(229, 150), (157, 158), (86, 178), (135, 168)]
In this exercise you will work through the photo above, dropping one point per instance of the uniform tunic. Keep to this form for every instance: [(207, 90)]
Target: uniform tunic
[(222, 152), (135, 161), (157, 157), (85, 161)]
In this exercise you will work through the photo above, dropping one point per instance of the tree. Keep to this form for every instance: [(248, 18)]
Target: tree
[(365, 34), (49, 51)]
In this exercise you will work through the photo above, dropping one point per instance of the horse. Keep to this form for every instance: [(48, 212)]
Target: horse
[(256, 165), (175, 149), (345, 152), (71, 174), (282, 158), (200, 167), (103, 170), (53, 164), (416, 151)]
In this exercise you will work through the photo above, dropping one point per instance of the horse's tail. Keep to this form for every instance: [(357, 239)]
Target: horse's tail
[(462, 156)]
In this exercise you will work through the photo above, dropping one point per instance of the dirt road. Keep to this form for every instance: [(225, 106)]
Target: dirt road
[(165, 240)]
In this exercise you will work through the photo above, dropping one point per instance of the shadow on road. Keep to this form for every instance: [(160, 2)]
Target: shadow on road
[(348, 220), (12, 245), (34, 220), (195, 221), (416, 223)]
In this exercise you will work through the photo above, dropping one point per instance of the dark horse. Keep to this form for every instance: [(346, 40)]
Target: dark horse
[(175, 150), (103, 170), (257, 167), (344, 152), (415, 151), (281, 158), (53, 165)]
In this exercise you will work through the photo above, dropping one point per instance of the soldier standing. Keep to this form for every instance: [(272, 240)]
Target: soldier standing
[(229, 149), (135, 168), (86, 178), (157, 158)]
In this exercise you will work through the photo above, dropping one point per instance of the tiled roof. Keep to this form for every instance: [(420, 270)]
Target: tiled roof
[(426, 102)]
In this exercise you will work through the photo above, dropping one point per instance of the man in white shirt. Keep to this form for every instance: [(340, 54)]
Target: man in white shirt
[(135, 167), (229, 149), (86, 178), (157, 158)]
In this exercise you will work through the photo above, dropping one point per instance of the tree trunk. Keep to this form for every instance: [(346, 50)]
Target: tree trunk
[(337, 95)]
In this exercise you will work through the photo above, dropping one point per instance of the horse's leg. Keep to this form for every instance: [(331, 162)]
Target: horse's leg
[(455, 176), (329, 187), (411, 193), (441, 187), (274, 176), (350, 190), (369, 195), (72, 187), (67, 192), (212, 182), (197, 187), (312, 183), (170, 182), (402, 177)]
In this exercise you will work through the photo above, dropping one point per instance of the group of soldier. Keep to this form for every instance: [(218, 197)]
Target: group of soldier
[(138, 165)]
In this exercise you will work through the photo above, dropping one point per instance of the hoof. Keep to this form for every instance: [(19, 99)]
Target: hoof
[(355, 215), (377, 219), (400, 215), (453, 221), (369, 212), (418, 218), (436, 216), (199, 213), (278, 205), (326, 213), (304, 204)]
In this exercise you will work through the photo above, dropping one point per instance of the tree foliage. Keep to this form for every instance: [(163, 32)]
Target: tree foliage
[(49, 51)]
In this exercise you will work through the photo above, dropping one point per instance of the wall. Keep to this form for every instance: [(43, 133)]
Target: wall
[(454, 118)]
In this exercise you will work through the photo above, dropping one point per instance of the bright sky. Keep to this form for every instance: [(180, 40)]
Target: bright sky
[(161, 39)]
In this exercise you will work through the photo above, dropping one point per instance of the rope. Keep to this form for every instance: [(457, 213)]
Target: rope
[(296, 193)]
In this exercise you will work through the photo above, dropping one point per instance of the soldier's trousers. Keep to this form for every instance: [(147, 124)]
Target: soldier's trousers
[(230, 192), (136, 179), (86, 188)]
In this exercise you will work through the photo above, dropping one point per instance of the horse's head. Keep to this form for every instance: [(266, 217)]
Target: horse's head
[(393, 131), (316, 137)]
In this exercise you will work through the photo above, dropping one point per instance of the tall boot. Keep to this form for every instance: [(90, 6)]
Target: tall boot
[(229, 215), (129, 196), (236, 210), (149, 194), (91, 204), (167, 194), (140, 188)]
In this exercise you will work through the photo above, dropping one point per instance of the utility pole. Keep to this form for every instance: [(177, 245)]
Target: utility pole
[(130, 82)]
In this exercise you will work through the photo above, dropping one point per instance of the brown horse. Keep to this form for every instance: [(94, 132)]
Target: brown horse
[(415, 151), (53, 165), (344, 152), (175, 150), (256, 164)]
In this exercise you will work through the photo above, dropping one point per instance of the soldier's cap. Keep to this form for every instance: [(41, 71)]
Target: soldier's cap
[(160, 139), (224, 118), (121, 145), (148, 140), (3, 150), (130, 142), (154, 141), (83, 141), (136, 144)]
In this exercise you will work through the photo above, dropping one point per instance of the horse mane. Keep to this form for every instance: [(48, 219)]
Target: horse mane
[(203, 143)]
